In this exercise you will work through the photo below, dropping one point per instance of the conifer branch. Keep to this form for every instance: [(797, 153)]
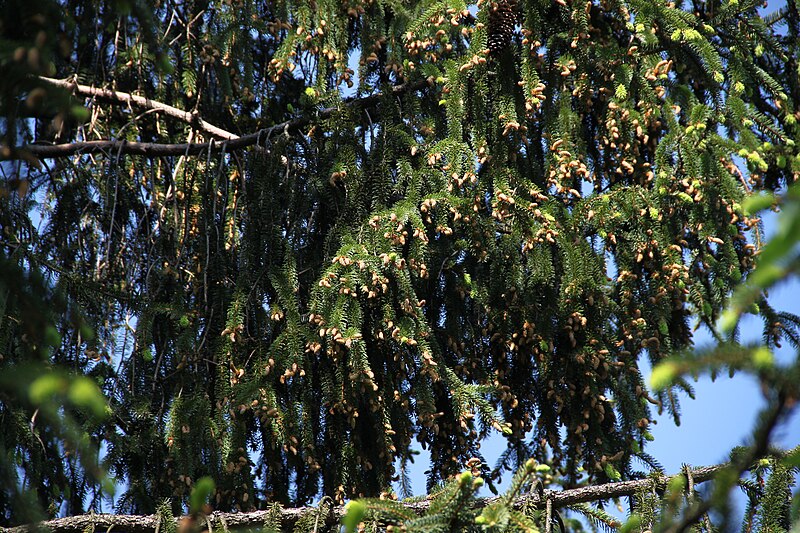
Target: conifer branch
[(115, 147), (289, 516), (118, 97)]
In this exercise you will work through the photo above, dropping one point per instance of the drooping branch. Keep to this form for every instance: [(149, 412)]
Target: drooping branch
[(118, 97), (115, 147), (289, 516)]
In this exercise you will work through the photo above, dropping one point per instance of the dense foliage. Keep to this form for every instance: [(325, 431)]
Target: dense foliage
[(537, 196)]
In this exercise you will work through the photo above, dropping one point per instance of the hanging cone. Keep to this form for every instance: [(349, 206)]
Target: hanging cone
[(502, 20)]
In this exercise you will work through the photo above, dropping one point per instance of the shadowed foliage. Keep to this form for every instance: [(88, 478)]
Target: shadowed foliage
[(497, 248)]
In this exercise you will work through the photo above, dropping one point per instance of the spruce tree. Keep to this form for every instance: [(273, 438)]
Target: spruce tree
[(293, 241)]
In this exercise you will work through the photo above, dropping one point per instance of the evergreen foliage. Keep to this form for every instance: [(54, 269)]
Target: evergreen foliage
[(769, 490), (540, 196)]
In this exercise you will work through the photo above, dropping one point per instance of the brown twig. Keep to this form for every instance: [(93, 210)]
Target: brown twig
[(118, 97)]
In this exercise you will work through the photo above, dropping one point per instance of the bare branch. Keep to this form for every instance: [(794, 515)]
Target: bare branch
[(107, 95), (289, 516), (54, 151)]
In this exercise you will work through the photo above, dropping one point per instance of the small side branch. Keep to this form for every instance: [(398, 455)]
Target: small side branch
[(54, 151), (117, 97), (289, 516)]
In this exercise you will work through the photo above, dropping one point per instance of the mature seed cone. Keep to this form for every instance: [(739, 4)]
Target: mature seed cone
[(502, 19)]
